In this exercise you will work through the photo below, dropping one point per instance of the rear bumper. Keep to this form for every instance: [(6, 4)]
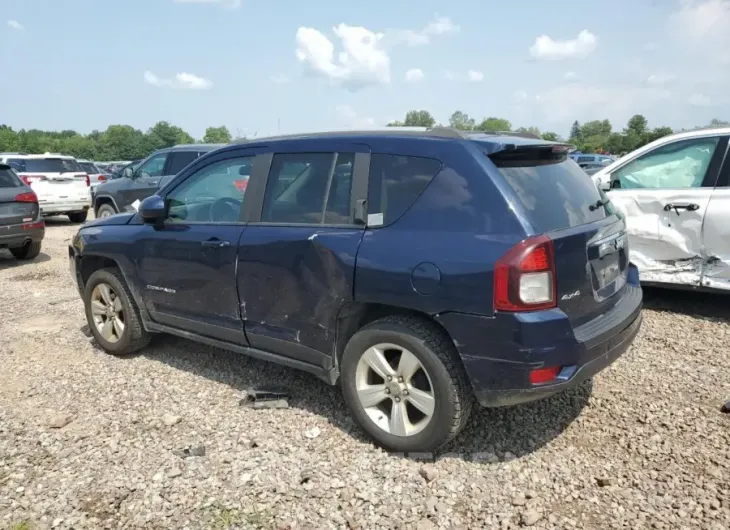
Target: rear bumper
[(65, 206), (17, 236), (499, 358)]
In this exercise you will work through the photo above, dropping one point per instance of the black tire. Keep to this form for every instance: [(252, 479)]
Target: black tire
[(78, 217), (28, 251), (134, 337), (436, 353), (105, 210)]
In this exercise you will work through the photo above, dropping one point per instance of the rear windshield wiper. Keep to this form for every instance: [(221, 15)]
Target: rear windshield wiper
[(596, 205)]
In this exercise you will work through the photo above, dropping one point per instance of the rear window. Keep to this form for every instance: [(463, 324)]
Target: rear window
[(556, 193), (51, 165), (89, 168), (8, 179), (395, 183)]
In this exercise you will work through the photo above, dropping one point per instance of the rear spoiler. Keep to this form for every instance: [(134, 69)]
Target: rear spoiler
[(537, 154)]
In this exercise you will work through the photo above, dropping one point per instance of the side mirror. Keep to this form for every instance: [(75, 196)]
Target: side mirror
[(153, 209), (127, 172)]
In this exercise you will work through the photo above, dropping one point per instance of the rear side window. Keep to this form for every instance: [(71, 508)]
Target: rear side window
[(556, 192), (18, 164), (51, 165), (89, 168), (395, 183), (8, 179), (178, 160)]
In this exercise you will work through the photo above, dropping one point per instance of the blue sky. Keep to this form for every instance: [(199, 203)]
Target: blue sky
[(261, 67)]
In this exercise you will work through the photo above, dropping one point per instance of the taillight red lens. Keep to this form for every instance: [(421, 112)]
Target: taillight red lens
[(26, 197), (86, 178), (524, 278), (101, 178), (29, 179)]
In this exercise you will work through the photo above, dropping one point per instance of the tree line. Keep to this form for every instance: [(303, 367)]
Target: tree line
[(124, 142), (117, 142), (590, 137)]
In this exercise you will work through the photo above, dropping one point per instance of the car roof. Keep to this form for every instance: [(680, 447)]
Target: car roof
[(43, 155), (192, 147), (495, 141)]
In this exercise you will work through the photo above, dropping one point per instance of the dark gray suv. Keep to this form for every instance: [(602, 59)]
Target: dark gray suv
[(134, 184)]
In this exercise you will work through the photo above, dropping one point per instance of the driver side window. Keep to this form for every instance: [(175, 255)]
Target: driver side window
[(153, 167), (212, 195), (677, 165)]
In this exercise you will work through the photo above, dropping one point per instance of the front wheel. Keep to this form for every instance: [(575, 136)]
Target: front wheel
[(105, 210), (112, 313), (406, 387), (78, 217)]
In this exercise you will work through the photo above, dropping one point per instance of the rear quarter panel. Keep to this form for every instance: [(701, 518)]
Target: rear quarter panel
[(439, 255)]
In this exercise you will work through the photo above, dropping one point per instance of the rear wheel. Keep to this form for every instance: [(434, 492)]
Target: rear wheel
[(78, 217), (105, 210), (112, 314), (27, 251), (404, 383)]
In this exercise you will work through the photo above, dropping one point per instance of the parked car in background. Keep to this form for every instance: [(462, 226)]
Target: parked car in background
[(61, 185), (21, 224), (139, 181), (96, 175), (420, 269), (675, 195), (583, 158), (591, 168)]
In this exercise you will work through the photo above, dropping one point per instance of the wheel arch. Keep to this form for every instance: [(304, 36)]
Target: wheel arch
[(104, 199)]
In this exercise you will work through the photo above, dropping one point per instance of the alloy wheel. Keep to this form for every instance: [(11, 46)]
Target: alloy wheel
[(395, 389), (107, 312)]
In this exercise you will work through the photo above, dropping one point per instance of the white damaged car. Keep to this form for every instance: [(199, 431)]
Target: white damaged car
[(675, 195)]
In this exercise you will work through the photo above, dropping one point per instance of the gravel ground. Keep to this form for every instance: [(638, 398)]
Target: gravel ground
[(159, 440)]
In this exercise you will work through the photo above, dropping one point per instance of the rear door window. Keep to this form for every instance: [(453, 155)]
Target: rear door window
[(395, 183), (555, 190), (178, 160), (89, 168)]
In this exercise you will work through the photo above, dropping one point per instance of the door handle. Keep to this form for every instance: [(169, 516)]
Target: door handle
[(690, 207), (216, 243)]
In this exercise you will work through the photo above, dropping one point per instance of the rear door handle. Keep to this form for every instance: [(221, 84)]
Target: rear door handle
[(216, 243), (690, 207)]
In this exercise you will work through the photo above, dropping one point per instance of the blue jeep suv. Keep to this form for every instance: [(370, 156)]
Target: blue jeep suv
[(421, 270)]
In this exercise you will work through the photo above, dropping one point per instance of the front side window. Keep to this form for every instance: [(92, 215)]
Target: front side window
[(309, 188), (680, 164), (212, 195), (153, 167)]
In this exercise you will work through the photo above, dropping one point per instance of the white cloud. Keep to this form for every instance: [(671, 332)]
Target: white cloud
[(699, 100), (363, 61), (475, 76), (548, 49), (413, 75), (439, 26), (570, 77), (660, 79), (14, 24), (182, 80), (233, 4), (353, 119), (280, 79), (520, 96), (702, 20)]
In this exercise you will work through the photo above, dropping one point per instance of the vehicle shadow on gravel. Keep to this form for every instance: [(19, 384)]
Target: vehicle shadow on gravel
[(490, 434), (7, 261), (709, 306)]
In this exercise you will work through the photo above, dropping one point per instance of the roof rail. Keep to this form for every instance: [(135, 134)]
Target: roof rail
[(11, 153), (442, 132), (519, 134)]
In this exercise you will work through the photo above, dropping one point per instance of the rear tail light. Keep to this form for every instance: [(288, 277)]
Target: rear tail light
[(524, 278), (85, 177), (29, 179), (26, 197), (101, 178), (33, 226)]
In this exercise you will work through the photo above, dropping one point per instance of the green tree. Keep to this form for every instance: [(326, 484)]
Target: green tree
[(217, 135), (162, 134), (658, 132), (551, 136), (462, 121), (595, 128), (494, 125), (531, 130), (575, 135), (638, 125)]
